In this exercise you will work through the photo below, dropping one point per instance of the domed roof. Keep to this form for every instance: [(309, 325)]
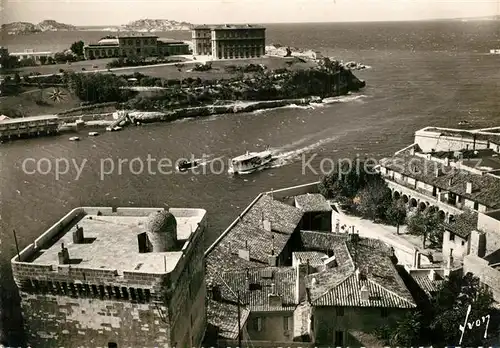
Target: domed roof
[(161, 222)]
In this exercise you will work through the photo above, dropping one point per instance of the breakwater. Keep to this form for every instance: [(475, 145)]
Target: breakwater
[(237, 107)]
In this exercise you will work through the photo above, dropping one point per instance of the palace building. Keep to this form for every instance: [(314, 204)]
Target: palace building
[(135, 46), (115, 277), (229, 41)]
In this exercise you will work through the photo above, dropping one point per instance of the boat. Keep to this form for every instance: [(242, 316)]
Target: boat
[(463, 123), (113, 129), (495, 51), (74, 138), (249, 162), (184, 165), (93, 134)]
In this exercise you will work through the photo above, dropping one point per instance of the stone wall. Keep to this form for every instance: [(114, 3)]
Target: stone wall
[(488, 275), (327, 323), (62, 321)]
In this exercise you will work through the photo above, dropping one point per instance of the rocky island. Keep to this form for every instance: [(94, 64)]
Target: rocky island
[(20, 28)]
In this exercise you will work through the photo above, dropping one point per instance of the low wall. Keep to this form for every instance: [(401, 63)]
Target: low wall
[(295, 190)]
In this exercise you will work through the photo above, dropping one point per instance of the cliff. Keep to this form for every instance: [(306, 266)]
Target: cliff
[(153, 25), (18, 28)]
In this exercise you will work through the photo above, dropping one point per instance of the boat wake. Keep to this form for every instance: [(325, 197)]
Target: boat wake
[(281, 158)]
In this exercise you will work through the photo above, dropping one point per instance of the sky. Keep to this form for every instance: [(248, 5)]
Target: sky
[(116, 12)]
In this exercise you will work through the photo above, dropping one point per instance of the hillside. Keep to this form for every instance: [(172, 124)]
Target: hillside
[(19, 28), (152, 25)]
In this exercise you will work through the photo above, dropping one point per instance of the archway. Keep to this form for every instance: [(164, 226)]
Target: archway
[(396, 195), (451, 219), (422, 206), (413, 203), (432, 209), (405, 199), (442, 215)]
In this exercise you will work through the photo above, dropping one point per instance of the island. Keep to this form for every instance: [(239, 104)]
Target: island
[(20, 28)]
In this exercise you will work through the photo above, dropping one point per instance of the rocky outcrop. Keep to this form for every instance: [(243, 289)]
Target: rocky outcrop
[(148, 117), (154, 25), (17, 28)]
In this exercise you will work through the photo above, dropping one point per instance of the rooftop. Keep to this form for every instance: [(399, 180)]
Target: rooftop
[(312, 202), (110, 240), (340, 286), (284, 219), (228, 26), (224, 316), (486, 188), (29, 119), (490, 134), (464, 224), (425, 283)]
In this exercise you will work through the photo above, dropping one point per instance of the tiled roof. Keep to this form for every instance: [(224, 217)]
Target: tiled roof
[(486, 188), (284, 220), (425, 283), (464, 224), (257, 299), (229, 26), (312, 202), (224, 316), (315, 258), (325, 242), (339, 286)]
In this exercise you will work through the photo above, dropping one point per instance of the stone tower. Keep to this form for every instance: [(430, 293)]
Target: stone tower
[(162, 231)]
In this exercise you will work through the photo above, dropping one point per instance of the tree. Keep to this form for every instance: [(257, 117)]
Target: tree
[(77, 48), (450, 306), (407, 332), (426, 224), (374, 199), (396, 213), (17, 78), (43, 60)]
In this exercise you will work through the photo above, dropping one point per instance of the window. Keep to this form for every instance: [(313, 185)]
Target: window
[(476, 205), (312, 322), (286, 323), (384, 313), (452, 236), (112, 345), (339, 338), (257, 324), (463, 242), (339, 311)]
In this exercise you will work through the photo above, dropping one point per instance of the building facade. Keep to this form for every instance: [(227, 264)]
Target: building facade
[(229, 41), (115, 277), (135, 46), (14, 128)]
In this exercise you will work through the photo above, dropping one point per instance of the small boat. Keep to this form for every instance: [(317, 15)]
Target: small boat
[(184, 165), (74, 138), (463, 123), (495, 51), (250, 162), (93, 134), (113, 129)]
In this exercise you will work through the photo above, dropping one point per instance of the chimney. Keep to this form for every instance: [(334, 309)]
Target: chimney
[(274, 298), (432, 275), (468, 187), (446, 161), (78, 235), (330, 262), (365, 293), (450, 259), (478, 243), (415, 253), (412, 151), (438, 172), (359, 275), (244, 253), (300, 282), (63, 255), (266, 225), (143, 243), (273, 260)]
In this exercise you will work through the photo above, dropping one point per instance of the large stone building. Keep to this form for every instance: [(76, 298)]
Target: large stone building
[(297, 287), (229, 41), (115, 277), (135, 46), (12, 128)]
